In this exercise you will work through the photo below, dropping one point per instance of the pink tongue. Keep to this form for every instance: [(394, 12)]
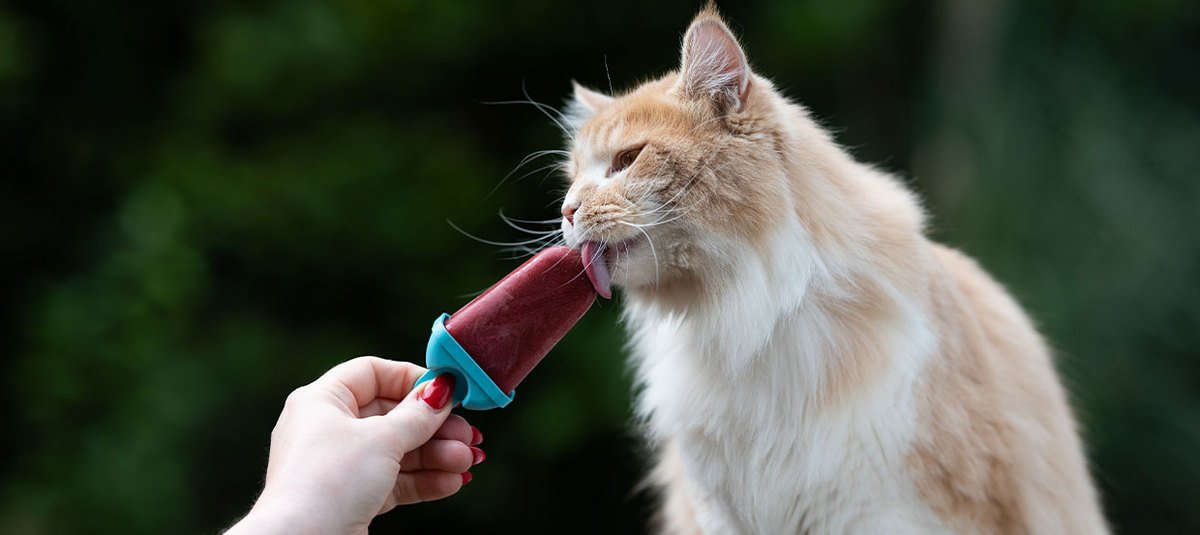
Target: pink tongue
[(597, 268)]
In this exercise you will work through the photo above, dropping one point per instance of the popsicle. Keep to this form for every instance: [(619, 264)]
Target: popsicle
[(493, 342)]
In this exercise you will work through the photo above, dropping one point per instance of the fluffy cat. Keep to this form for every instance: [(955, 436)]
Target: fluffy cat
[(807, 360)]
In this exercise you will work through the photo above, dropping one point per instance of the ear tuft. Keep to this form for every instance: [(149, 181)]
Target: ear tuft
[(584, 103), (714, 68)]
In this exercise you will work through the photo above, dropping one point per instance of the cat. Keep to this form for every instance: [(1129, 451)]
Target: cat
[(807, 360)]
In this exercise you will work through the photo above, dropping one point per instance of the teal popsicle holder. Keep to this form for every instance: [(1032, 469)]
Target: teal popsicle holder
[(472, 386)]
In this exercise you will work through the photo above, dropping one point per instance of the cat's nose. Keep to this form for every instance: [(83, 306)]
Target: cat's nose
[(568, 212)]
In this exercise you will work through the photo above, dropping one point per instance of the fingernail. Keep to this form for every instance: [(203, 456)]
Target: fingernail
[(438, 393), (467, 477), (479, 455), (476, 436)]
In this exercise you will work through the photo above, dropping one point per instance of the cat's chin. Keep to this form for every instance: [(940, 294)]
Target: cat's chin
[(632, 264), (649, 271), (604, 261)]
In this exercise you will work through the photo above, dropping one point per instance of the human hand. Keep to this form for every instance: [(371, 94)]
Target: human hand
[(345, 449)]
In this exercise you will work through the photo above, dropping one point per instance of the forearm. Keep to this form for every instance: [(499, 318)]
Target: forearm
[(271, 516)]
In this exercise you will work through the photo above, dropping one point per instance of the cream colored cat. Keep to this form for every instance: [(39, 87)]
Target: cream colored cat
[(808, 360)]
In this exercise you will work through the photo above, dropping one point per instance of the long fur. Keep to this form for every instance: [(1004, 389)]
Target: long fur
[(806, 359)]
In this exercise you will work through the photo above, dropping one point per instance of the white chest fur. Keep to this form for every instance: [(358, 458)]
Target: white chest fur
[(734, 387)]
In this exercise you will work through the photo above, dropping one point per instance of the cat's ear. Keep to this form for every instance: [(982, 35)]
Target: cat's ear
[(584, 103), (714, 68)]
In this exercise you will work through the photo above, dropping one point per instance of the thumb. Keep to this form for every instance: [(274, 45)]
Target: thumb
[(414, 421)]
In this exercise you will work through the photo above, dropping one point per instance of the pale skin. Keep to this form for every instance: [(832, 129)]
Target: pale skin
[(356, 443)]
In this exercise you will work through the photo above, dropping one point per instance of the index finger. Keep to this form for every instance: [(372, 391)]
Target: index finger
[(358, 381)]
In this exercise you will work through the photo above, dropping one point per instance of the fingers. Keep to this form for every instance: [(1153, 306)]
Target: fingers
[(357, 382), (414, 421), (456, 428), (443, 455), (426, 485)]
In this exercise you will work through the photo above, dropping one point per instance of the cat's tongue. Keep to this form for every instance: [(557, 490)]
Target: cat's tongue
[(597, 268)]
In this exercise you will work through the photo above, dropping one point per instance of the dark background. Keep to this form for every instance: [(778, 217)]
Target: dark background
[(204, 205)]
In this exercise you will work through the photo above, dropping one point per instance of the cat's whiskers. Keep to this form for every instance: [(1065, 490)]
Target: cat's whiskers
[(557, 118), (560, 121), (550, 221), (546, 238), (533, 156), (550, 167), (527, 251), (668, 217), (496, 243), (513, 223)]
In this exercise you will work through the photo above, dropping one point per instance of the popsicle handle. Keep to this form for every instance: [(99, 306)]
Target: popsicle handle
[(472, 386)]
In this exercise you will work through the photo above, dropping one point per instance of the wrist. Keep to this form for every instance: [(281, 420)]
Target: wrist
[(275, 513), (261, 521)]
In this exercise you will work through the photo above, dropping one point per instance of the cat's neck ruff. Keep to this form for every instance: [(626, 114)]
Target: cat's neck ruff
[(753, 297), (744, 376), (741, 295)]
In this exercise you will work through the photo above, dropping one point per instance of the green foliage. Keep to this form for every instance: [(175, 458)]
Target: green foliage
[(206, 205)]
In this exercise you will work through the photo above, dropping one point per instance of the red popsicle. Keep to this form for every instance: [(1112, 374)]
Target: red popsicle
[(509, 328)]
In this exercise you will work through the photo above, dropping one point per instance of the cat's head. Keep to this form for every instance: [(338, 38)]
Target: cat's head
[(670, 179)]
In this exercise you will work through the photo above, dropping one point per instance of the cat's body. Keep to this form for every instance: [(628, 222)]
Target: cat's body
[(807, 360)]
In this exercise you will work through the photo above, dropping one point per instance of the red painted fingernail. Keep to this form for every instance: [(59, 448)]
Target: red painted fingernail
[(476, 436), (438, 393), (479, 455), (467, 477)]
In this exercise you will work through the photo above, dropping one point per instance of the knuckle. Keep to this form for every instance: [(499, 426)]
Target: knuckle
[(413, 425), (297, 396)]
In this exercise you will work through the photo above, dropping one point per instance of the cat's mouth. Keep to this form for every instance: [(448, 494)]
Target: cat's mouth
[(596, 260)]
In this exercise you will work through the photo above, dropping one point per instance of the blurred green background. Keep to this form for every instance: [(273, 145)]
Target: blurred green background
[(206, 204)]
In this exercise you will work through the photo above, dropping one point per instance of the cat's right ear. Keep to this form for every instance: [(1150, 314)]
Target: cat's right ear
[(584, 104), (714, 67)]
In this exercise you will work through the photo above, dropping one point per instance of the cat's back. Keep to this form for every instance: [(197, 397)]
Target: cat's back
[(998, 451)]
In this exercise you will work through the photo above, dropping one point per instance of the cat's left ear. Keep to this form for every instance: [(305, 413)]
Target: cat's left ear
[(714, 67), (584, 104)]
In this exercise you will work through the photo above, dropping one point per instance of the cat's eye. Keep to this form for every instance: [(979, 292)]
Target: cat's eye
[(623, 160)]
